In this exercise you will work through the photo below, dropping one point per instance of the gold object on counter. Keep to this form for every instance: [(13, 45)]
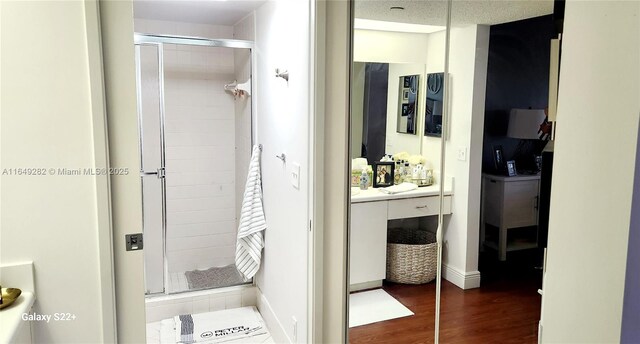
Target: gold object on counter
[(9, 295)]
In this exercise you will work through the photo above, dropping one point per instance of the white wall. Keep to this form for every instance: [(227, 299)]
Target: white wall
[(282, 41), (593, 172), (48, 122), (468, 55), (389, 47)]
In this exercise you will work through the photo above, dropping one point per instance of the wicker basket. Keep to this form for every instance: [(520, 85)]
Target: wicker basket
[(412, 256)]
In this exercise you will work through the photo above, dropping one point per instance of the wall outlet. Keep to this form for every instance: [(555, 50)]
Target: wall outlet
[(294, 322), (462, 153), (295, 175)]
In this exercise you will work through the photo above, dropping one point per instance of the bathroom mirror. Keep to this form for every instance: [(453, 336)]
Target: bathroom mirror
[(408, 104), (435, 103), (377, 120), (393, 247)]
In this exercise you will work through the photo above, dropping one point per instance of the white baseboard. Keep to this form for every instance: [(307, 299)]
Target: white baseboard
[(278, 333), (365, 285), (464, 280)]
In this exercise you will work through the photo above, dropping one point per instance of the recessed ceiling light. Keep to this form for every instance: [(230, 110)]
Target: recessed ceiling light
[(397, 8), (378, 25)]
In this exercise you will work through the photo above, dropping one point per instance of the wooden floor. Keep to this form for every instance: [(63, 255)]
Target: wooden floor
[(505, 309)]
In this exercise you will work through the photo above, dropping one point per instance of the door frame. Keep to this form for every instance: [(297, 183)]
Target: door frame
[(118, 62), (118, 55), (101, 159)]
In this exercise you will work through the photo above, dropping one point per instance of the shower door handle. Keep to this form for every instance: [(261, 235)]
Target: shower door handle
[(159, 173)]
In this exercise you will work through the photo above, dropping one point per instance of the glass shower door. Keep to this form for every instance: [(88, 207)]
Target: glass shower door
[(149, 74)]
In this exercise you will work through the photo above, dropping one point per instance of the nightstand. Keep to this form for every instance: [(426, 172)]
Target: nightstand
[(509, 213)]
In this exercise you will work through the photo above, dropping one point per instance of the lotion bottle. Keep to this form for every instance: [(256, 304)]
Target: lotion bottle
[(364, 179)]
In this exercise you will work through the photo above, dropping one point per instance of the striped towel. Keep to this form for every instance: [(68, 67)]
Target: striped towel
[(250, 237)]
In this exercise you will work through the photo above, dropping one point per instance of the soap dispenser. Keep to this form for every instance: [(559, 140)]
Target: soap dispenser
[(364, 179)]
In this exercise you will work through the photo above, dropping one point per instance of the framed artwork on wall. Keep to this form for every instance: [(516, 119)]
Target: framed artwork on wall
[(408, 104), (511, 168)]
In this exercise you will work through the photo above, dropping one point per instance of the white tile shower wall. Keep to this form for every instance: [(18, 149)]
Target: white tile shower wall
[(164, 307), (200, 139), (243, 30)]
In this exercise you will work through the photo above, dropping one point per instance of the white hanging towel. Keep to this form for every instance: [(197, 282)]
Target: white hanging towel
[(252, 222)]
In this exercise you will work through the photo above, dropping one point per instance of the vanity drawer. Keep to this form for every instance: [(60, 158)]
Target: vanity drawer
[(417, 207)]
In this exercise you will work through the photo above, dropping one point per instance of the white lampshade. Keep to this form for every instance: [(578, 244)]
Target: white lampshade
[(525, 123)]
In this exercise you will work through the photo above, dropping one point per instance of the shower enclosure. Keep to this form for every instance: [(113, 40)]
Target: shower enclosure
[(195, 143)]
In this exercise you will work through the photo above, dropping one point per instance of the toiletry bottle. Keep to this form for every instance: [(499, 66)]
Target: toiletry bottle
[(364, 179), (415, 176), (407, 173), (396, 174)]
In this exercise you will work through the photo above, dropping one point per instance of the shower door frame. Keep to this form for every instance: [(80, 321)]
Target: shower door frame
[(158, 41), (160, 171)]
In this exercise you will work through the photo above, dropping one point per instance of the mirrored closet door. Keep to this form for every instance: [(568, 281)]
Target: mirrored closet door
[(398, 194), (448, 93), (498, 66)]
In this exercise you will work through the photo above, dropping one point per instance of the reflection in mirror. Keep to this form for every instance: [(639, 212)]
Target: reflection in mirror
[(395, 185), (408, 99), (376, 122), (435, 102), (369, 113), (498, 61)]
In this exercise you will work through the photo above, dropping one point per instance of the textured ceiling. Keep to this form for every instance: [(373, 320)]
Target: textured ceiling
[(202, 12), (433, 12)]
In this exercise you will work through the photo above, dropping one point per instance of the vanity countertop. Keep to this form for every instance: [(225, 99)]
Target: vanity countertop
[(374, 194)]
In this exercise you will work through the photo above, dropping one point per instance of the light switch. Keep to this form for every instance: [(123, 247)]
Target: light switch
[(295, 175)]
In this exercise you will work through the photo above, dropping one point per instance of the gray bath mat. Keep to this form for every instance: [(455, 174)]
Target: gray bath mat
[(214, 277)]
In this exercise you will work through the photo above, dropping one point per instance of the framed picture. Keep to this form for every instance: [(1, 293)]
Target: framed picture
[(511, 168), (382, 174), (405, 110), (408, 104), (498, 159)]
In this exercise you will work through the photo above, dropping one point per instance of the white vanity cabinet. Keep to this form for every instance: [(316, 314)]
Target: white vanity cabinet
[(370, 212), (368, 256)]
